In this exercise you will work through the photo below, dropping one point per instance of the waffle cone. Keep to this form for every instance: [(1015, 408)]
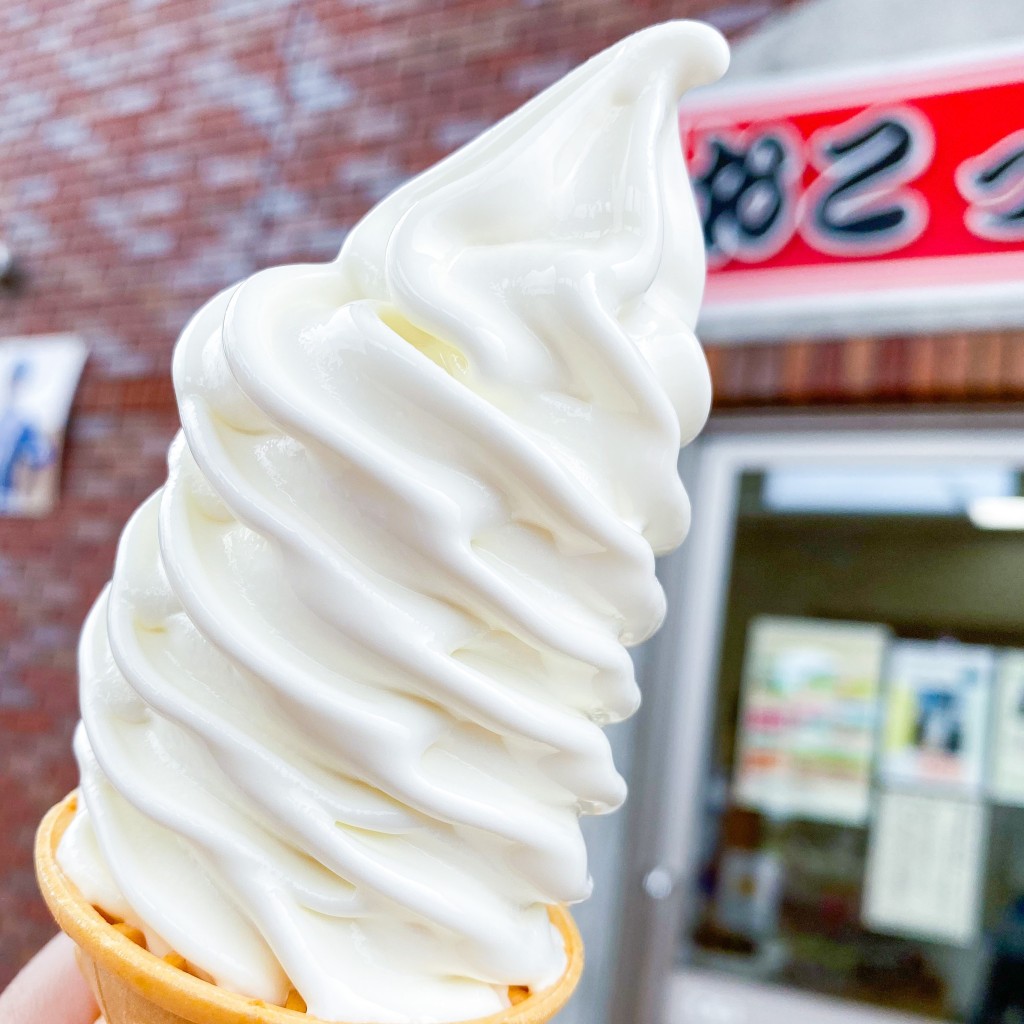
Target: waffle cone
[(133, 986)]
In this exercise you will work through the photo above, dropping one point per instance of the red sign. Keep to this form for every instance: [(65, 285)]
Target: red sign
[(898, 189)]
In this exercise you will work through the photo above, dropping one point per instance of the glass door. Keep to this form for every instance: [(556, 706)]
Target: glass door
[(833, 809)]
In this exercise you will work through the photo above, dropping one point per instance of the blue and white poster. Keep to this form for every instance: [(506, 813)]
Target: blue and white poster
[(38, 378), (936, 715)]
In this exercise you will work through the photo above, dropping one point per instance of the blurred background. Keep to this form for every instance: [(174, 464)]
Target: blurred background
[(828, 772)]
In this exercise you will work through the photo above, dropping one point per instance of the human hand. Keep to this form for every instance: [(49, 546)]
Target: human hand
[(49, 989)]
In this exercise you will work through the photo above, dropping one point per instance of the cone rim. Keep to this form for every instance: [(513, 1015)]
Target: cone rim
[(197, 1000)]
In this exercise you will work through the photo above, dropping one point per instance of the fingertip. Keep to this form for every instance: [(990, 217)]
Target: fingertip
[(49, 988)]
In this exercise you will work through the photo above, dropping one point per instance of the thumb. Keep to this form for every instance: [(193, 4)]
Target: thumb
[(49, 989)]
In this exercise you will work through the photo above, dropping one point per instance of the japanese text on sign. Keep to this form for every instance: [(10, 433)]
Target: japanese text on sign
[(915, 180)]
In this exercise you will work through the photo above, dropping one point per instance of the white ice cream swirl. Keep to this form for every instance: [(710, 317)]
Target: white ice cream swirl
[(342, 700)]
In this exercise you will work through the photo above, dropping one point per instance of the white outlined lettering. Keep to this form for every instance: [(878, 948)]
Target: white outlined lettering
[(859, 204), (993, 184), (746, 185)]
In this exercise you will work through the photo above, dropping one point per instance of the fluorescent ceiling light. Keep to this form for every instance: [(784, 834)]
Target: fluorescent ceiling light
[(879, 490), (997, 513)]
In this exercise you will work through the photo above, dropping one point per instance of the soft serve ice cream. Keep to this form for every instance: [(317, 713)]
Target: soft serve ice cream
[(342, 699)]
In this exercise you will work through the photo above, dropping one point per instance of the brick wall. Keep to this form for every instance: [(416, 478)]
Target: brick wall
[(153, 151), (977, 367)]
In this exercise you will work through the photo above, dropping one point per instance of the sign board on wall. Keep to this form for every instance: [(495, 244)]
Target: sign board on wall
[(890, 199), (38, 378)]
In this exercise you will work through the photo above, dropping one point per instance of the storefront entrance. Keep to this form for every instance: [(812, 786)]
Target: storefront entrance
[(831, 822)]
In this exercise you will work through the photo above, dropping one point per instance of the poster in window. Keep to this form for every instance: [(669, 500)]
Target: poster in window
[(807, 727), (924, 868), (936, 715), (1007, 764), (38, 378)]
